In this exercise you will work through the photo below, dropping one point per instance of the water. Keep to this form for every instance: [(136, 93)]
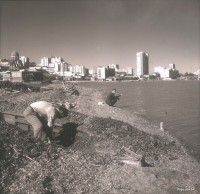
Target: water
[(176, 103)]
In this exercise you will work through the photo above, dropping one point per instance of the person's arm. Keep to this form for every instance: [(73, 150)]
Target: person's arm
[(51, 117), (116, 97)]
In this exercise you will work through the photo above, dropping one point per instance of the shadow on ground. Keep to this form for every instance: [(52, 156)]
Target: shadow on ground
[(67, 135)]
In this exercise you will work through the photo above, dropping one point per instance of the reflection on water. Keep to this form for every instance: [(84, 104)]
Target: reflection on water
[(176, 103)]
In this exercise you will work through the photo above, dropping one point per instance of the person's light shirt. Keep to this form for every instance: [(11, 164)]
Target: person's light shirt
[(46, 109)]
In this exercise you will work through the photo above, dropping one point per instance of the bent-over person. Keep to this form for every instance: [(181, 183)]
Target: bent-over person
[(41, 115)]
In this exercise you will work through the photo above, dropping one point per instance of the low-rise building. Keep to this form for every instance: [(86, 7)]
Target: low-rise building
[(101, 73), (162, 71), (126, 71), (5, 76), (130, 71), (78, 69), (93, 72), (21, 75), (197, 72), (167, 72), (4, 65), (114, 66)]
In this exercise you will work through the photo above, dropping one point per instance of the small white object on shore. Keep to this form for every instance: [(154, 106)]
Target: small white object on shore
[(161, 126), (101, 103)]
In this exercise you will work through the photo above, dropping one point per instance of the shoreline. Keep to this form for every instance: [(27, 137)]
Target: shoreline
[(115, 113), (133, 119), (190, 146), (143, 125)]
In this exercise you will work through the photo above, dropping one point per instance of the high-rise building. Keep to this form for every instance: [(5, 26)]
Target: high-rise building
[(24, 59), (45, 62), (142, 63), (172, 66), (56, 60), (64, 67)]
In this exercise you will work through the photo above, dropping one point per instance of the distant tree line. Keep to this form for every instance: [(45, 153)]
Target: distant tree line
[(189, 74)]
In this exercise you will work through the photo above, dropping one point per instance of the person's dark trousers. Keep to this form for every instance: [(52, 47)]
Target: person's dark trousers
[(112, 102)]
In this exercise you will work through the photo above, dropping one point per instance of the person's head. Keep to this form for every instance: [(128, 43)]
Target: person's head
[(114, 90), (69, 106), (63, 109)]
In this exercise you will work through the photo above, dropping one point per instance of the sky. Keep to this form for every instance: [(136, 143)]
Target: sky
[(101, 32)]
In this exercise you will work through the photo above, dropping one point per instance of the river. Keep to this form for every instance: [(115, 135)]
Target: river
[(175, 103)]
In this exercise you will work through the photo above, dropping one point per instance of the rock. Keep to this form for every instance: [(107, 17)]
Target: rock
[(161, 127)]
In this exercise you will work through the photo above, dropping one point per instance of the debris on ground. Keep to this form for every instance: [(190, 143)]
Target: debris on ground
[(70, 89), (90, 155), (17, 86)]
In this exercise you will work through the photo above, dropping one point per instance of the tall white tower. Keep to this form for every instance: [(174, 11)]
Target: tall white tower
[(142, 63), (45, 61)]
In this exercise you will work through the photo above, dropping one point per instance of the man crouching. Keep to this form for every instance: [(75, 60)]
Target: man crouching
[(41, 115)]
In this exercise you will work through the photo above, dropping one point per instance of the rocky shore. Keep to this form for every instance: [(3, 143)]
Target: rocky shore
[(101, 149)]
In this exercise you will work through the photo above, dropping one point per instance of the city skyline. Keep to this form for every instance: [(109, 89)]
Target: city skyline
[(95, 33)]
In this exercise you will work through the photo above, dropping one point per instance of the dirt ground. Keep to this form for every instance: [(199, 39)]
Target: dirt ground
[(101, 149)]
